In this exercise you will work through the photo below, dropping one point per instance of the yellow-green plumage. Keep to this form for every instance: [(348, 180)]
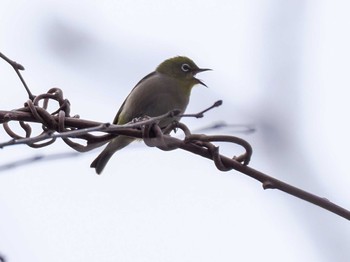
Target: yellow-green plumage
[(165, 89)]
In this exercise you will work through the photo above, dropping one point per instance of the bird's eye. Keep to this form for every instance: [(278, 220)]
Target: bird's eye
[(185, 67)]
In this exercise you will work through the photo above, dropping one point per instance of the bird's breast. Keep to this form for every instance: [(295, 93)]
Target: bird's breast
[(155, 96)]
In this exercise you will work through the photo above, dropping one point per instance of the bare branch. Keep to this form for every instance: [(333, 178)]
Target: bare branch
[(18, 67), (59, 124), (37, 158), (2, 258), (201, 114), (235, 128)]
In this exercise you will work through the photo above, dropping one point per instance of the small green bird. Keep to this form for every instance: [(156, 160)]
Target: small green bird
[(167, 88)]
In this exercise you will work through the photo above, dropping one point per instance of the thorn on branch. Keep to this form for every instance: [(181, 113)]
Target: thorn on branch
[(268, 185)]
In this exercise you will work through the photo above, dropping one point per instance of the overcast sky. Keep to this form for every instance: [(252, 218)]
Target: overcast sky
[(278, 65)]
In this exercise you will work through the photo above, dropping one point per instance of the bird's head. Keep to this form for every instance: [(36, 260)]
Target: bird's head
[(181, 68)]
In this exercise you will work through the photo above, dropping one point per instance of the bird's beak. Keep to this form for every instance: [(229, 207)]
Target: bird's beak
[(199, 70)]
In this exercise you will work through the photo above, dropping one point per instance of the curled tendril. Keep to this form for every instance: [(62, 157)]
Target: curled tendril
[(153, 136), (49, 122), (151, 133), (245, 158)]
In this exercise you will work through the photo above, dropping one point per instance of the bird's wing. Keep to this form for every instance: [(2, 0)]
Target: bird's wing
[(116, 118)]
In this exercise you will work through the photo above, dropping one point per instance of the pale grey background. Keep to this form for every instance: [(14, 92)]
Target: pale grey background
[(280, 65)]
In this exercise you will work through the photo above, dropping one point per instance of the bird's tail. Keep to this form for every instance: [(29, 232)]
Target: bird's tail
[(116, 144)]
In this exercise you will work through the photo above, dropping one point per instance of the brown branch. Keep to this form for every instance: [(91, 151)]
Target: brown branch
[(201, 114), (36, 158), (17, 67), (195, 143), (59, 124)]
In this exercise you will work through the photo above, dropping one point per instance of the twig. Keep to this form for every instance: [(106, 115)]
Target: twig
[(18, 67), (31, 160), (235, 128), (201, 114)]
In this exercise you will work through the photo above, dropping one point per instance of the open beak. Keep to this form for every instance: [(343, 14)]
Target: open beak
[(199, 70)]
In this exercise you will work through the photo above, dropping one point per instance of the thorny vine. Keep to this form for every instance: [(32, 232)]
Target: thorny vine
[(60, 124)]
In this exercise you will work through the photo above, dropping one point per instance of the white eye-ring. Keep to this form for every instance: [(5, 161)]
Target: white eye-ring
[(185, 67)]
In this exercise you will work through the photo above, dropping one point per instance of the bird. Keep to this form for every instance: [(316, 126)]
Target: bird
[(166, 89)]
